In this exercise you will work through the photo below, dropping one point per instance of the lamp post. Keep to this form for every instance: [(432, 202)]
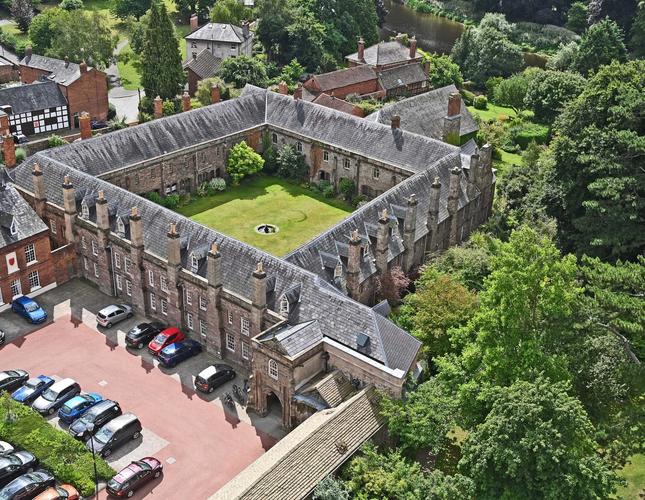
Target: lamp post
[(90, 428)]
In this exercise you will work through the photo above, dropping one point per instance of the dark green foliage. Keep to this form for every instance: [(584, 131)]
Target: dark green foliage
[(21, 155), (601, 44), (291, 164), (469, 263), (577, 17), (203, 93), (23, 12), (524, 133), (637, 34), (511, 92), (480, 102), (71, 4), (598, 189), (330, 489), (55, 141), (547, 95), (443, 71), (124, 8), (229, 11), (161, 70), (622, 12), (565, 58), (347, 188), (242, 70)]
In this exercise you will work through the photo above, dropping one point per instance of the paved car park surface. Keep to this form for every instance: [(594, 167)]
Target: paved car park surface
[(200, 444)]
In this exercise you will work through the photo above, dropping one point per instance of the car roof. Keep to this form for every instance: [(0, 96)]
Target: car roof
[(127, 472), (102, 405), (24, 300), (78, 399), (121, 420), (44, 378), (61, 384), (170, 330), (109, 309)]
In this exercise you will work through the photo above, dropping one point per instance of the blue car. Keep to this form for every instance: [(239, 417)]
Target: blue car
[(174, 353), (29, 309), (75, 407), (33, 388)]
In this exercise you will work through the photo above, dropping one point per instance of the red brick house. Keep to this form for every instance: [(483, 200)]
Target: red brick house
[(85, 88), (360, 80)]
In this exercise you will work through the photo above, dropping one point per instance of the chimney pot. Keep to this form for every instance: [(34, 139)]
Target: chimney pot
[(185, 102), (158, 107), (194, 22), (215, 94), (396, 121), (134, 212), (37, 170), (9, 151), (298, 92), (28, 51), (361, 49), (85, 125), (283, 88), (454, 104), (413, 47), (83, 66)]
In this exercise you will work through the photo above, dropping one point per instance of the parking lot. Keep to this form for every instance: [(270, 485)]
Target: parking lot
[(200, 444)]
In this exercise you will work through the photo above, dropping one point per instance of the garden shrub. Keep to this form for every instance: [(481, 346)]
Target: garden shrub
[(55, 140), (480, 102), (71, 4), (202, 190), (491, 84), (169, 108), (326, 189), (243, 161), (117, 124), (57, 451), (21, 154), (523, 134), (155, 197), (291, 164), (347, 188), (111, 112), (468, 96), (217, 184), (172, 201)]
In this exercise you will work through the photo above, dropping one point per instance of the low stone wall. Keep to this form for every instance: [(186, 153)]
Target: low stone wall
[(33, 147)]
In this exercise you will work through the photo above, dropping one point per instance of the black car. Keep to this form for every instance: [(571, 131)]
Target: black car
[(143, 333), (98, 124), (10, 380), (114, 434), (94, 418), (16, 464), (27, 486), (214, 376)]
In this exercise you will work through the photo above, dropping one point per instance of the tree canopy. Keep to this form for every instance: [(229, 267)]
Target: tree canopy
[(242, 161), (601, 44), (229, 11), (242, 70), (547, 94), (124, 8)]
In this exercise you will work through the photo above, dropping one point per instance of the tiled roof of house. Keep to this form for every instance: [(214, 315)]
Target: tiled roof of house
[(384, 53), (218, 32), (423, 114), (326, 82), (9, 55), (204, 65), (32, 97), (401, 76), (336, 103), (317, 447), (61, 72), (16, 212)]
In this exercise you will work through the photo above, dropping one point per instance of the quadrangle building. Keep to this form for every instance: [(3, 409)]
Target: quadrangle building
[(290, 321)]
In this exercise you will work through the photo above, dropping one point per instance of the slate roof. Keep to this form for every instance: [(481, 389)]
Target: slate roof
[(61, 72), (401, 76), (326, 82), (8, 55), (423, 114), (292, 468), (14, 209), (218, 32), (204, 65), (338, 316), (384, 53), (335, 103), (32, 97)]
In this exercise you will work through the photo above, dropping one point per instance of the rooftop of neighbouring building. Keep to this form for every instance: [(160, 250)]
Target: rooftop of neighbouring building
[(326, 82), (401, 76), (383, 54), (204, 65), (219, 32), (337, 104), (18, 221), (60, 71), (32, 97)]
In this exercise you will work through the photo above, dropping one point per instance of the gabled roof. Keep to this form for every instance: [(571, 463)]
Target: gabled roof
[(218, 32), (384, 53), (401, 76), (337, 104), (204, 65), (14, 210), (61, 72), (32, 97), (327, 82), (423, 114)]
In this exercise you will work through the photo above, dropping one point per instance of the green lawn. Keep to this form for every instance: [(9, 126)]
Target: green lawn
[(299, 213), (634, 473), (128, 71), (493, 112)]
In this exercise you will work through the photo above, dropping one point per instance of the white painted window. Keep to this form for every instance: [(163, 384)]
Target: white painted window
[(30, 253), (153, 302), (83, 243), (95, 248), (244, 326), (325, 155), (13, 228), (284, 307), (119, 281), (151, 278), (194, 263), (246, 350), (52, 226), (203, 327), (117, 260), (163, 282), (346, 163), (273, 369), (120, 227), (96, 270), (128, 263), (164, 307), (189, 321), (128, 288), (203, 305), (189, 297), (16, 288), (230, 341), (34, 280), (229, 317)]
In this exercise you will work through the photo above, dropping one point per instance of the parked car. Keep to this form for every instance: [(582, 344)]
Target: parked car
[(16, 464), (143, 333), (62, 492), (29, 309), (27, 486), (134, 476), (97, 124), (213, 376), (3, 336), (75, 407), (54, 397), (112, 314), (175, 353), (33, 388), (10, 380), (115, 433), (20, 138), (94, 418), (165, 338), (5, 448)]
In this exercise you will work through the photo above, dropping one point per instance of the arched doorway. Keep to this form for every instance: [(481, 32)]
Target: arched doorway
[(274, 406)]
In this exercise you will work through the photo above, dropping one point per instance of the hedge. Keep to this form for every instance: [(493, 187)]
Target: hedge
[(57, 451), (529, 132)]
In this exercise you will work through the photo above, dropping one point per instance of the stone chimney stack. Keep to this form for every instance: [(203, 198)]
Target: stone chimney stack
[(185, 102), (4, 123), (9, 151), (85, 125), (453, 204), (66, 61), (214, 339), (158, 107), (28, 52), (214, 266), (283, 88), (39, 190), (136, 228), (354, 266), (474, 174), (69, 204), (413, 47), (194, 22), (382, 242), (136, 252), (361, 49), (83, 66), (486, 155), (409, 231), (246, 30), (102, 212), (452, 121), (297, 94), (259, 299), (433, 215), (215, 94), (173, 247), (396, 121)]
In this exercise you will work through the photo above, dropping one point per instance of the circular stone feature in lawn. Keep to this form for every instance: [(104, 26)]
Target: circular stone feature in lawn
[(267, 229)]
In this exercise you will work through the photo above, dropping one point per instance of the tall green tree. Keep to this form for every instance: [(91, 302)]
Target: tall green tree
[(124, 8), (577, 16), (23, 12), (161, 70), (512, 91), (547, 95), (242, 70), (243, 161), (601, 44), (637, 33), (44, 28), (597, 190), (229, 11), (443, 71), (536, 442)]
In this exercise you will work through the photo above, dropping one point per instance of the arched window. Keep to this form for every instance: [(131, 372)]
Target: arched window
[(274, 138), (194, 263), (273, 369), (85, 211), (299, 146), (120, 227), (284, 306)]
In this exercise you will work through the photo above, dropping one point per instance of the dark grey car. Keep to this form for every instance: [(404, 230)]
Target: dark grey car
[(95, 418)]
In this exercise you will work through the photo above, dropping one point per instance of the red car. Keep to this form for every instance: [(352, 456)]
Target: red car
[(164, 338), (134, 476)]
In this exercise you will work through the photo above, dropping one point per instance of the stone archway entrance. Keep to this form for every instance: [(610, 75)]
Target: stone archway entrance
[(273, 404)]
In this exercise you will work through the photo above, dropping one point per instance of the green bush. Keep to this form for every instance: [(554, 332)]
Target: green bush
[(468, 96), (169, 108), (347, 188), (55, 141), (480, 102), (111, 112), (21, 154), (171, 201), (524, 134), (71, 4), (326, 189), (155, 197), (57, 451)]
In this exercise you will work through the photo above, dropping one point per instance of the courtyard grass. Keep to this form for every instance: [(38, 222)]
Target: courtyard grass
[(634, 474), (299, 213)]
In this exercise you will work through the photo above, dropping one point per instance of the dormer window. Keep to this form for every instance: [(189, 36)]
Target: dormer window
[(194, 263), (13, 229), (338, 270), (284, 306), (85, 211), (120, 227)]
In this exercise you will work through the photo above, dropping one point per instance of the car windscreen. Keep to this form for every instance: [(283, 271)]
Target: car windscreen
[(114, 485), (50, 394), (161, 338), (67, 408), (33, 383), (104, 435), (200, 380), (31, 307), (101, 315)]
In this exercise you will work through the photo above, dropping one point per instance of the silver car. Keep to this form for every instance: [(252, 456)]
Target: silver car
[(112, 314)]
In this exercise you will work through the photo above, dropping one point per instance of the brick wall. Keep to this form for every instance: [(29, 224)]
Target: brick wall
[(89, 93)]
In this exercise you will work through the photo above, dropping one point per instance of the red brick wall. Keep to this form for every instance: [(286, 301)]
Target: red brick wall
[(30, 75), (193, 80), (89, 93)]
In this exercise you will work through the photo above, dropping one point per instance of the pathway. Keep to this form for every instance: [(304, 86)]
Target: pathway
[(125, 101)]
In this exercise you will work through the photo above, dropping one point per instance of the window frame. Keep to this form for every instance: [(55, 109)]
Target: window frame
[(230, 340), (273, 370), (245, 326), (30, 254), (246, 350), (33, 279)]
